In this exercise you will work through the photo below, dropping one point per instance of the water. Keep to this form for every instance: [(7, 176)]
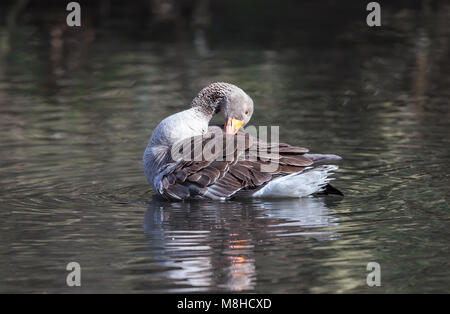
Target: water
[(77, 109)]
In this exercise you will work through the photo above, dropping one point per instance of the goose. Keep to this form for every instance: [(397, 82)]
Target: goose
[(231, 162)]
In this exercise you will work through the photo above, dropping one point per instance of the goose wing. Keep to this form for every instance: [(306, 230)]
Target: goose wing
[(218, 165)]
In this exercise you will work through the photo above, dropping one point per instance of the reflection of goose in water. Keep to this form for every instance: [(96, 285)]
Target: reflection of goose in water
[(310, 214), (207, 245), (230, 163)]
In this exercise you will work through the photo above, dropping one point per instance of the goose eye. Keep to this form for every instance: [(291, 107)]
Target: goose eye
[(246, 112)]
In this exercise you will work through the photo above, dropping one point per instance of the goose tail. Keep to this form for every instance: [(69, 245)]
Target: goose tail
[(309, 181)]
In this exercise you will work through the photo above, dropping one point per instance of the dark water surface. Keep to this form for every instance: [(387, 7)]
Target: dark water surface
[(77, 109)]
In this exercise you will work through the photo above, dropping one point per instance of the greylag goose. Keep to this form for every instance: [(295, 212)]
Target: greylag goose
[(236, 164)]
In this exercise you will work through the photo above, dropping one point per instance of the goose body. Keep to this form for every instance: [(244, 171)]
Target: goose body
[(186, 158)]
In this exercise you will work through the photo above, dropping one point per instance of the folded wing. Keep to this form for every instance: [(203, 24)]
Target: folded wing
[(225, 165)]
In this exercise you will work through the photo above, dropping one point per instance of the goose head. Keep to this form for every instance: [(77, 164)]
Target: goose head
[(235, 105)]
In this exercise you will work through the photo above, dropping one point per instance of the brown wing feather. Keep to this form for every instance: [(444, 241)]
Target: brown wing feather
[(236, 165)]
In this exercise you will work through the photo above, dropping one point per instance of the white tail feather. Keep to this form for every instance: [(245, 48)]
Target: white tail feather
[(300, 184)]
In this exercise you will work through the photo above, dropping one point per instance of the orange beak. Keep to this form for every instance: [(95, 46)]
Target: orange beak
[(233, 126)]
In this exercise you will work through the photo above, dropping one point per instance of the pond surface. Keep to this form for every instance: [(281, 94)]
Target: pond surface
[(77, 109)]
